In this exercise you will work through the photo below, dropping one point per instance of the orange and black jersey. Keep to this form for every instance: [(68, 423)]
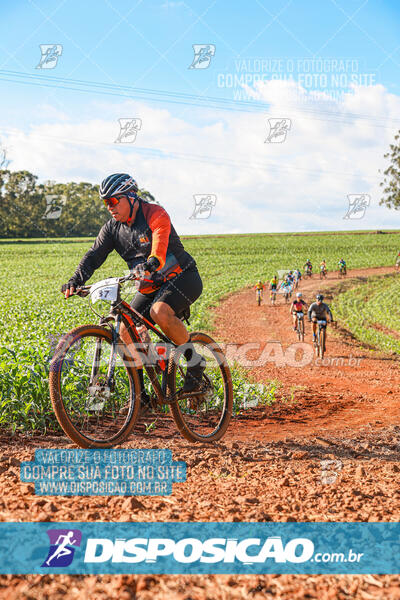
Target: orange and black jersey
[(151, 234)]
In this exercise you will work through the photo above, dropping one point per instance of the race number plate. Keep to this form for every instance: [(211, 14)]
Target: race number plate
[(106, 290)]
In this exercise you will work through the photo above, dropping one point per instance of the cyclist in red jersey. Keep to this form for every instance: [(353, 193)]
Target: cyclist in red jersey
[(298, 305)]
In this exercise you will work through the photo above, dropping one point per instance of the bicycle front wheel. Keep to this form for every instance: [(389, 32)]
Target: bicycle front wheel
[(202, 416), (94, 410), (300, 329), (322, 338)]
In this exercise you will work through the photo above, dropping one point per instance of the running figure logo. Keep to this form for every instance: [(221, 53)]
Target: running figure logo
[(203, 54), (4, 161), (358, 204), (50, 55), (61, 551), (278, 129), (54, 206), (203, 205), (128, 129)]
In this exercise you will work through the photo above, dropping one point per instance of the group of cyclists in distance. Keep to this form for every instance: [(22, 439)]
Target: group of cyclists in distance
[(317, 312)]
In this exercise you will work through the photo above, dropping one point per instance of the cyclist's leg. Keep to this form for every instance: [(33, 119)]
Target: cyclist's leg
[(314, 326), (175, 296), (172, 299), (141, 303)]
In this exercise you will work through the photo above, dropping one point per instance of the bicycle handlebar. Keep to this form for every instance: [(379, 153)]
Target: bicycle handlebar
[(85, 289)]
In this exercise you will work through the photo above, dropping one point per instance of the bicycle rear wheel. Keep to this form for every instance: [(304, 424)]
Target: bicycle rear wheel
[(91, 412), (202, 417)]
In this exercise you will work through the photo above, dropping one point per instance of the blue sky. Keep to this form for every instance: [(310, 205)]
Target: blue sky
[(335, 144)]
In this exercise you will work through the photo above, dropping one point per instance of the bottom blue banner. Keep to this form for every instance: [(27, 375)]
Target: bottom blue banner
[(199, 548)]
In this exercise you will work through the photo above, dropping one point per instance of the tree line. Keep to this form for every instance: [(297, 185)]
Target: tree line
[(29, 209)]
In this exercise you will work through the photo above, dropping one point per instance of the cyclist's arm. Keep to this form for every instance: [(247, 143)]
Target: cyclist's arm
[(95, 257), (160, 225), (309, 311)]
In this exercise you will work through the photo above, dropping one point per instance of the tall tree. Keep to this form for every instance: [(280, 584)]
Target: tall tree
[(391, 181)]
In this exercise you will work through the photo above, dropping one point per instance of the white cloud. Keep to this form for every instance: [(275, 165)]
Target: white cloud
[(296, 185)]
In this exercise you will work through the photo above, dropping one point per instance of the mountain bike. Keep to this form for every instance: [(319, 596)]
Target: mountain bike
[(342, 271), (272, 297), (319, 342), (259, 297), (323, 273), (300, 325), (94, 383), (287, 293), (308, 273)]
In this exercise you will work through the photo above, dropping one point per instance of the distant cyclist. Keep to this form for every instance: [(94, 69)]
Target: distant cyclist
[(297, 277), (342, 266), (273, 284), (308, 267), (397, 265), (318, 311), (298, 306), (286, 288), (259, 287)]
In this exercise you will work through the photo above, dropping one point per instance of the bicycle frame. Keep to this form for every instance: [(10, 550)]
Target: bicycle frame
[(132, 319), (122, 312)]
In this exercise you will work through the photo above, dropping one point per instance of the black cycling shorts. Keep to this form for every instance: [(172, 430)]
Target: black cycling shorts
[(179, 293)]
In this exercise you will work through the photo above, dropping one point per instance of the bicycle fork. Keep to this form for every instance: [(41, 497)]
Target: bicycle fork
[(113, 356)]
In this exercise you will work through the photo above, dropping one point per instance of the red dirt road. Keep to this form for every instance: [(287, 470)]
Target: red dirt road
[(352, 388)]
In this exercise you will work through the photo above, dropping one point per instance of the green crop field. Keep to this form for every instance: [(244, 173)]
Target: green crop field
[(371, 312), (33, 313)]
